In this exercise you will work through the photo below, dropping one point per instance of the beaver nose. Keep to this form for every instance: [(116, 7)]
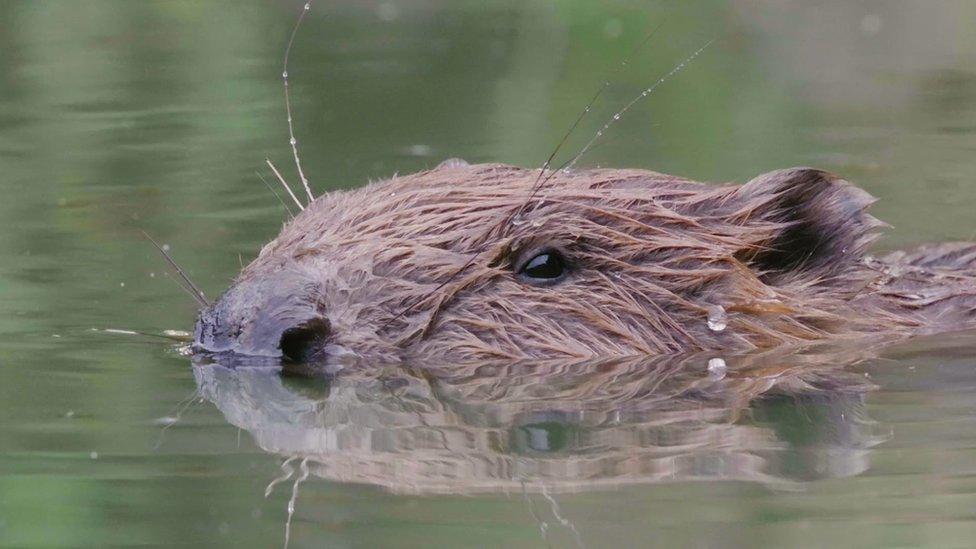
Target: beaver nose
[(273, 317)]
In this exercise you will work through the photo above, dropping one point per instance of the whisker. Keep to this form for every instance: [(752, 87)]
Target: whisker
[(183, 287), (616, 116), (170, 335), (646, 92), (274, 192), (579, 118), (192, 288), (291, 129), (284, 184)]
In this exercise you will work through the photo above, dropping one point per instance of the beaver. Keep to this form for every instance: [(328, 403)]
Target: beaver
[(494, 262)]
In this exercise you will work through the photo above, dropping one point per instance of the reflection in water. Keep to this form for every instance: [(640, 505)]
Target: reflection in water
[(774, 418), (117, 117)]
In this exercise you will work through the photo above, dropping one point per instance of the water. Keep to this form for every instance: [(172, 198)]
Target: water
[(117, 117)]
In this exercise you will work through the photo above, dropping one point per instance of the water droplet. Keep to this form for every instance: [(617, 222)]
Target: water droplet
[(616, 116), (69, 414), (284, 74), (308, 6), (165, 247), (716, 368), (293, 141), (93, 455), (122, 284), (717, 318)]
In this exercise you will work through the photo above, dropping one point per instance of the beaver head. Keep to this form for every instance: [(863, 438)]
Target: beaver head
[(465, 262)]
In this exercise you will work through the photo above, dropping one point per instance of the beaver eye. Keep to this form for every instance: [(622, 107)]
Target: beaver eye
[(547, 267)]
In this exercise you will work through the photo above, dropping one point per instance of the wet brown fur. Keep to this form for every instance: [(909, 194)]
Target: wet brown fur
[(422, 267)]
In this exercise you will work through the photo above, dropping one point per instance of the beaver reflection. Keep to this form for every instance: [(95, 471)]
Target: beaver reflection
[(772, 418)]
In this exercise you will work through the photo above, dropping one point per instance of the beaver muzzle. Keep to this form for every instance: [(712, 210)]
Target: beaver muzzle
[(274, 316)]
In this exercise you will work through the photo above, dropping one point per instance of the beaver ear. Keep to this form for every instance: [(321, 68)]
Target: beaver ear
[(802, 220)]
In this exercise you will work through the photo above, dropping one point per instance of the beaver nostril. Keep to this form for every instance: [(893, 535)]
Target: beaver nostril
[(302, 342)]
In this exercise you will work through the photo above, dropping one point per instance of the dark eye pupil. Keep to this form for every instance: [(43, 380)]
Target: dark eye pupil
[(546, 265)]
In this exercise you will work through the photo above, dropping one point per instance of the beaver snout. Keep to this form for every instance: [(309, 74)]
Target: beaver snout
[(275, 316)]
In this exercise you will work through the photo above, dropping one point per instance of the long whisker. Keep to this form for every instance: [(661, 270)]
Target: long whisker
[(170, 335), (183, 287), (291, 129), (589, 105), (644, 93), (274, 192), (284, 183), (192, 288), (569, 163)]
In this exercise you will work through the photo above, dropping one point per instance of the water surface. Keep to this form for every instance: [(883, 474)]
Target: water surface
[(117, 117)]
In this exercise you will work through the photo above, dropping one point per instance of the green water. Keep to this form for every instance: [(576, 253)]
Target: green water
[(122, 116)]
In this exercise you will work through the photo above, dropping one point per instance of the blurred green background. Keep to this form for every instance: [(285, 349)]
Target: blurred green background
[(121, 116)]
